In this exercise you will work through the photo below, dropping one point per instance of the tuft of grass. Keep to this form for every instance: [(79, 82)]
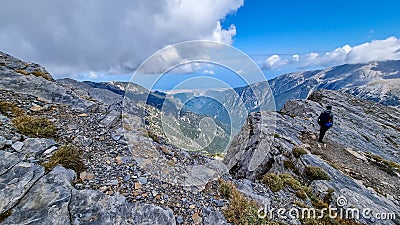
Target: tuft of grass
[(5, 214), (34, 126), (301, 194), (315, 173), (154, 137), (290, 165), (6, 107), (273, 181), (68, 157), (42, 74), (23, 72), (278, 181), (35, 73), (241, 210), (328, 196), (298, 151)]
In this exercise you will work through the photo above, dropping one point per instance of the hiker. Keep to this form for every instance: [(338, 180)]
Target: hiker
[(325, 120)]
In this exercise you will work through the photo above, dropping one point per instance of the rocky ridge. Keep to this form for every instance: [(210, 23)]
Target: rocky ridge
[(119, 188), (345, 156), (124, 193)]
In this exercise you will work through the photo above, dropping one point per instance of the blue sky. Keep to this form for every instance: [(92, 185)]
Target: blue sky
[(285, 28), (303, 26), (104, 41)]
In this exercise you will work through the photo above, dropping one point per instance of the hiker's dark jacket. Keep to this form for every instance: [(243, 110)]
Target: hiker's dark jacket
[(325, 117)]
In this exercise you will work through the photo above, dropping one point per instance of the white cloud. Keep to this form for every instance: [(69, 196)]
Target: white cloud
[(210, 72), (274, 61), (110, 36), (377, 50), (296, 58), (92, 75)]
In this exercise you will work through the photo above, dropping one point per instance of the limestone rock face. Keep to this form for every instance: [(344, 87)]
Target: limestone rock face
[(97, 208), (46, 202), (36, 198), (15, 75), (355, 121)]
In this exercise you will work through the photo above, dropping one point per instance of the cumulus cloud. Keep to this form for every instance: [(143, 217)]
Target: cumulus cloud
[(210, 72), (296, 58), (110, 36), (274, 61), (377, 50)]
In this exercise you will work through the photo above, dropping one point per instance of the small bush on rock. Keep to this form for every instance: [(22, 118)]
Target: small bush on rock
[(6, 107), (35, 126), (298, 151), (241, 210), (68, 157), (24, 72), (315, 173), (42, 74)]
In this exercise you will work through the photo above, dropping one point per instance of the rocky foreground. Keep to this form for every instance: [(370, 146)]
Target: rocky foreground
[(116, 186)]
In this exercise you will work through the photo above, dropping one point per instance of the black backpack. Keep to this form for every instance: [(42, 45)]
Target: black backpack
[(325, 118)]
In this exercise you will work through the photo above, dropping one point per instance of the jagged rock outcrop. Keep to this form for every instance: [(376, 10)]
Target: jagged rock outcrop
[(355, 121), (34, 197), (17, 76)]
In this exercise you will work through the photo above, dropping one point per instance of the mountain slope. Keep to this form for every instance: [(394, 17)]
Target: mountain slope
[(376, 81), (359, 148)]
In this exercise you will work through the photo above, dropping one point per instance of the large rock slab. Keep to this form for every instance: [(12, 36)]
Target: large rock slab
[(111, 118), (36, 146), (8, 160), (88, 206), (16, 182), (46, 202), (49, 90)]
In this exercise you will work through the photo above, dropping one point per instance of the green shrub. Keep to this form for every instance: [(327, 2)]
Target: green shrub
[(35, 126), (273, 181), (23, 72), (68, 157), (315, 173), (6, 107), (241, 210), (301, 194), (298, 151), (42, 74)]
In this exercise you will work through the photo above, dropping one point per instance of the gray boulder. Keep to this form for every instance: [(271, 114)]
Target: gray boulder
[(94, 207), (36, 146), (46, 202), (16, 182)]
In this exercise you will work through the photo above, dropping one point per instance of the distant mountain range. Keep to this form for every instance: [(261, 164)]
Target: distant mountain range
[(376, 81)]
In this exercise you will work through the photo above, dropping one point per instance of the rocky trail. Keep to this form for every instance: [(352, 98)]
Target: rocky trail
[(355, 164)]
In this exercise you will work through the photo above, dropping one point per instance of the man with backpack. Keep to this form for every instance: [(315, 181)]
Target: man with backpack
[(325, 120)]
